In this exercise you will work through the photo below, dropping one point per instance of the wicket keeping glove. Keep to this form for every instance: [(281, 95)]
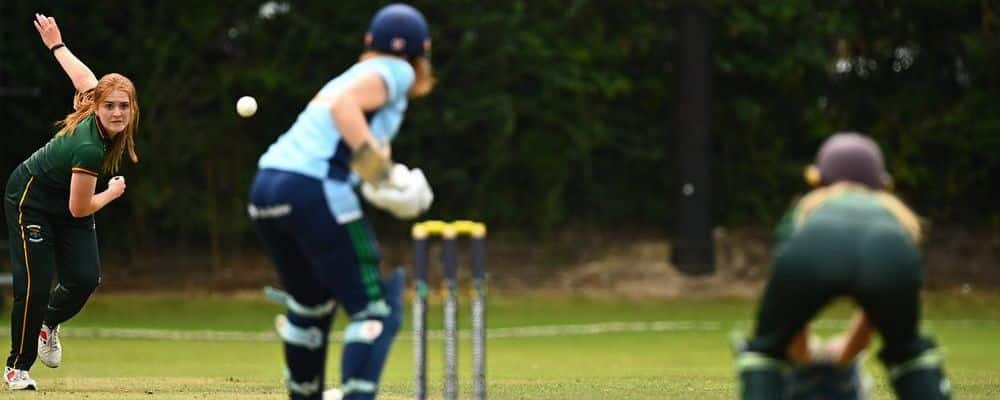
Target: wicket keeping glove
[(406, 195), (826, 380)]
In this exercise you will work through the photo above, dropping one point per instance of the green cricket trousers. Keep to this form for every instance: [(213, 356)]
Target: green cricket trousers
[(46, 242)]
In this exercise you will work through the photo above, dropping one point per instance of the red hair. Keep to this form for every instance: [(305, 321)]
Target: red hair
[(85, 105)]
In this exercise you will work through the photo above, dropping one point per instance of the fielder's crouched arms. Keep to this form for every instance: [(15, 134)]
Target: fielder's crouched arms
[(768, 378)]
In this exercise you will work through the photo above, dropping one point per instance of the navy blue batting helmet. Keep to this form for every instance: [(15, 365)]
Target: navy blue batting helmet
[(399, 29)]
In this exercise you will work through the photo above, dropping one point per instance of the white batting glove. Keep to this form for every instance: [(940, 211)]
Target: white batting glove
[(406, 195), (425, 196)]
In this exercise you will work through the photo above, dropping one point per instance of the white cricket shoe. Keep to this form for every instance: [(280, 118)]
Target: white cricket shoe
[(49, 349), (333, 394), (18, 379)]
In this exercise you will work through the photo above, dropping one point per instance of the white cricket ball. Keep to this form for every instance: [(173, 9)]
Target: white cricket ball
[(246, 106)]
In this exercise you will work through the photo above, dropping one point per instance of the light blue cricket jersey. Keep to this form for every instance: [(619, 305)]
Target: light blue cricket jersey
[(313, 145)]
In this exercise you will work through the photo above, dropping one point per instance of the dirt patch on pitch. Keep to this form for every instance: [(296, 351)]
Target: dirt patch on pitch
[(642, 269), (584, 263)]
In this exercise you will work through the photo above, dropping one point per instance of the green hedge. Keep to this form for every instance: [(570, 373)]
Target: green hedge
[(548, 114)]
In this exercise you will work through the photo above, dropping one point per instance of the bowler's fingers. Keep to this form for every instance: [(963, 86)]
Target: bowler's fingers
[(43, 23)]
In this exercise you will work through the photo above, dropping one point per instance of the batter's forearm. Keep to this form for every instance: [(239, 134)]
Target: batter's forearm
[(349, 118), (368, 159)]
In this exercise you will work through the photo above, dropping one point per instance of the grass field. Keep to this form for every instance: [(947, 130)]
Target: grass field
[(660, 349)]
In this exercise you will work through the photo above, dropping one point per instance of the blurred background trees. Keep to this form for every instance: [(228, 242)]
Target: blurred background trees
[(549, 114)]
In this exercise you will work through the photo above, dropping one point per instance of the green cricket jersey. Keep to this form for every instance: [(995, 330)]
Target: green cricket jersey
[(849, 208), (54, 164), (50, 169)]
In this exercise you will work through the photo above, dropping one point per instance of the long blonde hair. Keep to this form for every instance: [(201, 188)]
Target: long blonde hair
[(816, 198), (85, 104), (423, 81)]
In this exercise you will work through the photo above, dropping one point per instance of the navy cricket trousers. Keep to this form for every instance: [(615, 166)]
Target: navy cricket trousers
[(315, 256)]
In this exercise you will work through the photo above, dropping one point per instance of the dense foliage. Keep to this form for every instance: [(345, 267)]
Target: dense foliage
[(548, 113)]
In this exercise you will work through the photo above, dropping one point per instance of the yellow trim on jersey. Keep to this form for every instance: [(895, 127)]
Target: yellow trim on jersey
[(85, 171)]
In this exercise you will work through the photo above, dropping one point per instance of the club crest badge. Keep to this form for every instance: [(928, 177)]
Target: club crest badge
[(34, 233), (397, 44)]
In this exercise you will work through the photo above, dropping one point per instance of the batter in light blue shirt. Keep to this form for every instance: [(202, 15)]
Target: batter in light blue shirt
[(313, 146), (307, 215)]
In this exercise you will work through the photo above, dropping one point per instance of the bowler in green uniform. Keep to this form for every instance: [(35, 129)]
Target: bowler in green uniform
[(49, 203), (847, 238)]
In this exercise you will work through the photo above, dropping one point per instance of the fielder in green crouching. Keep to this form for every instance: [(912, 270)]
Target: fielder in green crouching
[(848, 237)]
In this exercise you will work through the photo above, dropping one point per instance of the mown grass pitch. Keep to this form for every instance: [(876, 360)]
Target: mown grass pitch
[(657, 349)]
